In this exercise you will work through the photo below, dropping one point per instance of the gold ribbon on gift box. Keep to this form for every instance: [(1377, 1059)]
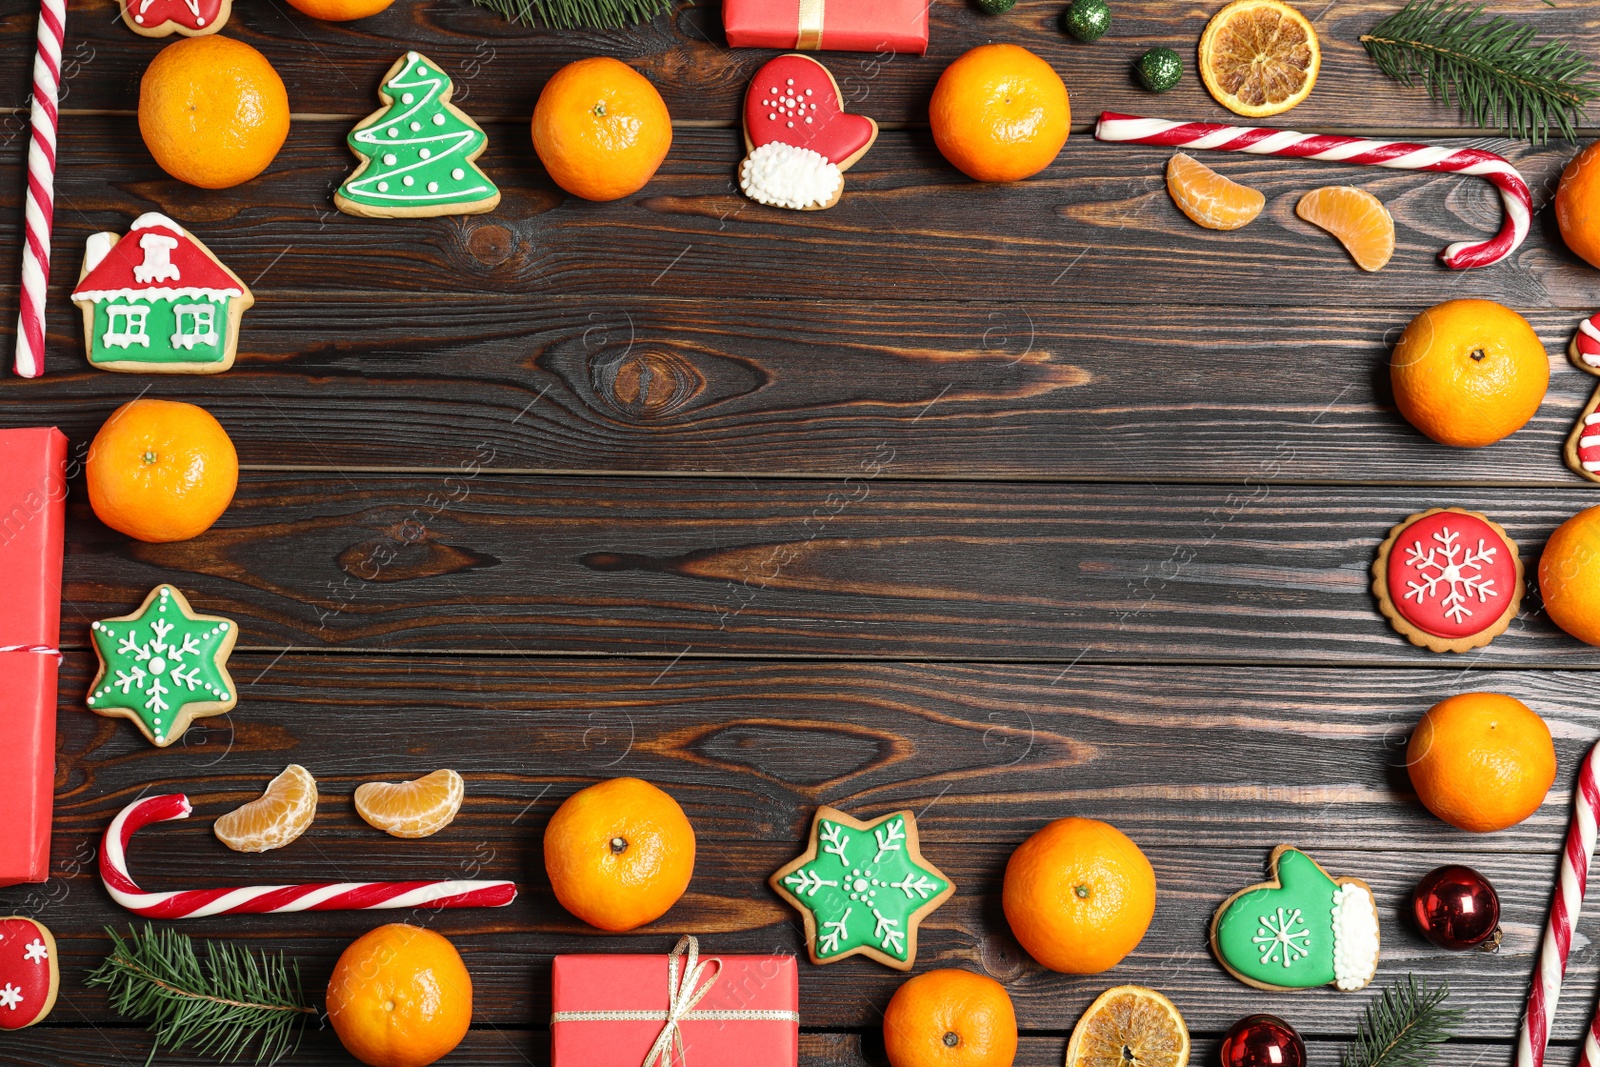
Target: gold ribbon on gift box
[(812, 14), (689, 979)]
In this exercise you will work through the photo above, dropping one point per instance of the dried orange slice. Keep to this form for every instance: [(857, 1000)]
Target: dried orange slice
[(1259, 57), (1208, 198), (1356, 217), (412, 809), (281, 814), (1129, 1026)]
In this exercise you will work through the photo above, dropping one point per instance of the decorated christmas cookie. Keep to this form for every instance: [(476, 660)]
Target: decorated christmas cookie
[(162, 18), (417, 151), (863, 888), (798, 139), (1301, 930), (1585, 347), (1583, 444), (163, 666), (29, 976), (158, 302), (1448, 579)]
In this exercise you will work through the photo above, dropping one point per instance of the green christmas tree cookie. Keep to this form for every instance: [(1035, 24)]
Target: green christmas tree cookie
[(163, 666), (417, 151), (863, 888), (1303, 929)]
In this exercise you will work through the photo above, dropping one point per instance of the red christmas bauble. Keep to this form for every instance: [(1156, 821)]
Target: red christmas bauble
[(1457, 909), (1263, 1041)]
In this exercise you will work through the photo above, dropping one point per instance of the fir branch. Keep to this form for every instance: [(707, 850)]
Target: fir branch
[(1402, 1026), (579, 14), (1492, 68), (236, 997)]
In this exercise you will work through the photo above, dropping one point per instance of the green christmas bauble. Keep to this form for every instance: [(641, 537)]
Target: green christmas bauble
[(996, 7), (1088, 20), (1159, 69)]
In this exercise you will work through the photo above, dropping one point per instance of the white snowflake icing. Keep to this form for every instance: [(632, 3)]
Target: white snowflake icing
[(1283, 938), (1447, 565), (889, 934), (916, 883), (806, 882), (834, 840), (891, 837), (167, 667), (834, 931), (35, 951), (10, 996)]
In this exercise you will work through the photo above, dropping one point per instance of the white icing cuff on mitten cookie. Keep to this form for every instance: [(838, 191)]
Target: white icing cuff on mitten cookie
[(781, 175), (1355, 937)]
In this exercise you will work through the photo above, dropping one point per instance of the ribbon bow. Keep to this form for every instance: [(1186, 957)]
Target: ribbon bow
[(689, 979)]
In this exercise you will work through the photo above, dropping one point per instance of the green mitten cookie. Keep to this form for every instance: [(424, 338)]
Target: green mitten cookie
[(1301, 930)]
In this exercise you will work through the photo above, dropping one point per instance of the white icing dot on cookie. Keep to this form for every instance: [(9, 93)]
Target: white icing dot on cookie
[(433, 187), (425, 153), (772, 118), (421, 69), (390, 159), (393, 132), (458, 174), (809, 119), (383, 187), (408, 99), (438, 120), (415, 126), (408, 181)]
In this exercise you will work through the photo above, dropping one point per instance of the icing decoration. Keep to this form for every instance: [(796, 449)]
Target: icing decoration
[(417, 151), (269, 899), (163, 666), (162, 18), (158, 301), (1453, 573), (781, 175), (29, 973), (1585, 346), (863, 888), (1301, 930), (1583, 444), (798, 138)]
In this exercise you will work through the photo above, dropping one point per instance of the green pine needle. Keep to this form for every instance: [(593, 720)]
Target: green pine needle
[(1491, 67), (579, 14), (1402, 1026), (218, 1008)]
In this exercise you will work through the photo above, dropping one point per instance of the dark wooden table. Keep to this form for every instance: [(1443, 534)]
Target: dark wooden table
[(997, 503)]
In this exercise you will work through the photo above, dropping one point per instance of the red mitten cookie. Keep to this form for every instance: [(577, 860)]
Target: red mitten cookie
[(29, 976), (798, 138)]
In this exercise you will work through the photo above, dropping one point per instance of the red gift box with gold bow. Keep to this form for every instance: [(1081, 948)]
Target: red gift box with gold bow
[(679, 1009), (834, 25), (33, 494)]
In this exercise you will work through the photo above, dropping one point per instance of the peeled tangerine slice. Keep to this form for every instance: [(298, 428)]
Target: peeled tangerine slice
[(412, 809), (1357, 218), (1208, 198), (282, 814)]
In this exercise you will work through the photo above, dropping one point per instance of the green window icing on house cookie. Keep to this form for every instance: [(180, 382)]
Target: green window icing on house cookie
[(1283, 936), (182, 330)]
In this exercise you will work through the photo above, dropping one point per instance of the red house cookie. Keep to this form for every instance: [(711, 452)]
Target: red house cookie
[(29, 975), (162, 18), (798, 138), (1448, 579)]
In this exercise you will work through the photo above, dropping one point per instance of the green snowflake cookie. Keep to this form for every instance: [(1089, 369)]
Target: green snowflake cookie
[(163, 666), (1301, 930), (863, 888)]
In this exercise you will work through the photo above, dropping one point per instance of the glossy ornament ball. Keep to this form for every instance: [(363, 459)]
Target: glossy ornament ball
[(1263, 1041), (1457, 909), (1159, 69), (1088, 20)]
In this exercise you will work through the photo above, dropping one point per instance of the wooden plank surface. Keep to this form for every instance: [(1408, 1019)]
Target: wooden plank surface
[(985, 753)]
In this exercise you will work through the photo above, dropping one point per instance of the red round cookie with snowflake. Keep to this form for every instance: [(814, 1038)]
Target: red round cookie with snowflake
[(1452, 574), (29, 976)]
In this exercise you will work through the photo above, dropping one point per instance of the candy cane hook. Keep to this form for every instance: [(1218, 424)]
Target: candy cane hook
[(269, 899), (1397, 155)]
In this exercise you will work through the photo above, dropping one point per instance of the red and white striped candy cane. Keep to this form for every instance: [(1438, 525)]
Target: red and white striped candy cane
[(1398, 155), (1564, 907), (41, 200), (269, 899)]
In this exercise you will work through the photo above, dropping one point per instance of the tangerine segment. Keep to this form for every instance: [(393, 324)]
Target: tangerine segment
[(280, 815), (1357, 218), (1208, 198), (1259, 57), (1129, 1026), (419, 808)]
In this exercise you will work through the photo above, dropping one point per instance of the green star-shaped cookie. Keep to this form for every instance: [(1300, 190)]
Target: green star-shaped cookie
[(863, 888), (163, 666)]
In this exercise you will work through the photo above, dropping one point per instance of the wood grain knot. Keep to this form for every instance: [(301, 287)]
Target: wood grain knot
[(789, 751), (645, 382), (491, 244), (405, 560)]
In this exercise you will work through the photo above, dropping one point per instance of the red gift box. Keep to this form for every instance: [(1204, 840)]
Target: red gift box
[(680, 1009), (835, 25), (33, 496)]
